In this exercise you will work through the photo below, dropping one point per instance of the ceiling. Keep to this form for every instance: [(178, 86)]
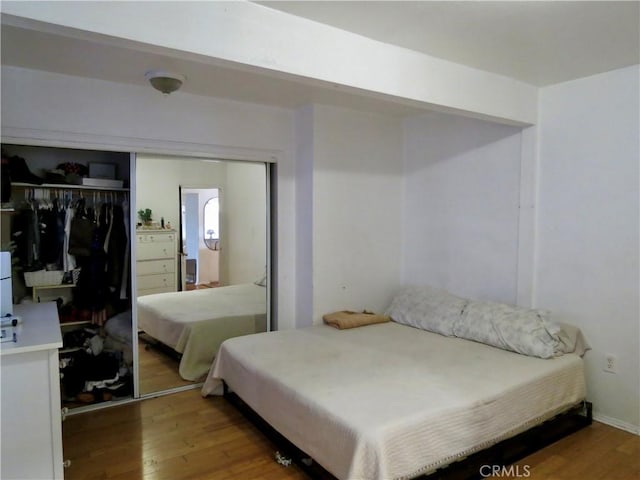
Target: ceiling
[(105, 59), (537, 42)]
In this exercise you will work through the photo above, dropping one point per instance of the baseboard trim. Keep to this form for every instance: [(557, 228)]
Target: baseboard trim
[(614, 422)]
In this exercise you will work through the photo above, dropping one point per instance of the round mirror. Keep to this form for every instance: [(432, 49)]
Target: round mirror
[(211, 224)]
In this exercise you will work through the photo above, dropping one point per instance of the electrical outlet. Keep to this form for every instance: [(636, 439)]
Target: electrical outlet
[(610, 363)]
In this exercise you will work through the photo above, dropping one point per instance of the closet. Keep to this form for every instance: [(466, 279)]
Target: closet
[(66, 219)]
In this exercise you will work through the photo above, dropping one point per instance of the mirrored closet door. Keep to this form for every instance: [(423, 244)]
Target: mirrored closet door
[(200, 263)]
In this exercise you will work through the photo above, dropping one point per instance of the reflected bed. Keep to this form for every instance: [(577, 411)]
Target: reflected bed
[(194, 323)]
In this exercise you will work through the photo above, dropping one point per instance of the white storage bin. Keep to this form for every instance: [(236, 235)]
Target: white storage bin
[(43, 277)]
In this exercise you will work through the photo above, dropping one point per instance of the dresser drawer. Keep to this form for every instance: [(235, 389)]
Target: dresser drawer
[(156, 237), (157, 281), (150, 251), (152, 267), (151, 291)]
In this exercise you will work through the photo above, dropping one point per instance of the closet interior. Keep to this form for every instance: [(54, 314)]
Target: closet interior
[(66, 219)]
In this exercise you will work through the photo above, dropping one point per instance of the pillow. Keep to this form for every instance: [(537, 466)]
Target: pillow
[(427, 308), (572, 340), (521, 330)]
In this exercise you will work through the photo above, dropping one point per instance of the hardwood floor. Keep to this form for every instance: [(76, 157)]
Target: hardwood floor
[(178, 436), (598, 452), (200, 286), (185, 436), (158, 371)]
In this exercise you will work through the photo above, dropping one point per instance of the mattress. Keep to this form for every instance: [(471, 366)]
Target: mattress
[(391, 401), (195, 323)]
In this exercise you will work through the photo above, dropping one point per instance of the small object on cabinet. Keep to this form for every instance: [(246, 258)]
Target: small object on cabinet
[(102, 170), (145, 215), (102, 182), (41, 278)]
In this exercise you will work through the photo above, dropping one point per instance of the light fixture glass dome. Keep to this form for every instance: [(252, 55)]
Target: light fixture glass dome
[(165, 82)]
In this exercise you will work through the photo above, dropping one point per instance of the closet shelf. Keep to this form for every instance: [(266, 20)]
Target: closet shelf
[(69, 350), (50, 287), (64, 186), (75, 324)]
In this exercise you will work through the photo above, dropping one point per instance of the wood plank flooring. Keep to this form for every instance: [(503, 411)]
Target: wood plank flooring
[(158, 371), (200, 286), (184, 436), (178, 436)]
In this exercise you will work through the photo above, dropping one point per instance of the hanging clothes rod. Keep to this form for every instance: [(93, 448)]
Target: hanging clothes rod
[(70, 187)]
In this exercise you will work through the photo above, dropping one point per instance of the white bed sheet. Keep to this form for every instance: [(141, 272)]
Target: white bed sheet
[(196, 322), (391, 401)]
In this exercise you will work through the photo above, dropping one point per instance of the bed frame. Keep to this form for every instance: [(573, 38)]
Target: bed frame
[(503, 453)]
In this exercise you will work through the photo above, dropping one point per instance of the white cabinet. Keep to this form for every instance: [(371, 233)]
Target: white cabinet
[(156, 261), (31, 417)]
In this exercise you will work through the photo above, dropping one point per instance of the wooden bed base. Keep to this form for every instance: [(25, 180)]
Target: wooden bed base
[(503, 453)]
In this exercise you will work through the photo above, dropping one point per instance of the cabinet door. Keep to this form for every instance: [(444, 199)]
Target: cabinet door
[(31, 420)]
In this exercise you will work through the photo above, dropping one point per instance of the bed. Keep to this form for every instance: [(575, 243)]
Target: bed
[(194, 323), (392, 400)]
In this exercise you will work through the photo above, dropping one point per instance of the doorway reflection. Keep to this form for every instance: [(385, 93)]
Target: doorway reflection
[(200, 237)]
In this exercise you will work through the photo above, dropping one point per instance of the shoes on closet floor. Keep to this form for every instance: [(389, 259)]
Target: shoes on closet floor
[(85, 397)]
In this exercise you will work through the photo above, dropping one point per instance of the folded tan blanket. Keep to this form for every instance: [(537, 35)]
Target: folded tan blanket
[(346, 319)]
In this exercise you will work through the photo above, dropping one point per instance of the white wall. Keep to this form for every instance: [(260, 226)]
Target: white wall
[(357, 192), (461, 208), (53, 107), (61, 110), (159, 178), (460, 211), (243, 212), (588, 221), (304, 138)]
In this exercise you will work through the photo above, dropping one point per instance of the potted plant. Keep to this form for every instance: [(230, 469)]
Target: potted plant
[(145, 216)]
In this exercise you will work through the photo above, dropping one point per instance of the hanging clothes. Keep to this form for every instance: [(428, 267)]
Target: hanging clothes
[(60, 232), (68, 260), (87, 236), (50, 245), (81, 231), (99, 287), (124, 282), (24, 233), (116, 249), (91, 290)]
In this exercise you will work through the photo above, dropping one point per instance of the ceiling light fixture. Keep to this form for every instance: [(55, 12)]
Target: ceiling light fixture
[(165, 82)]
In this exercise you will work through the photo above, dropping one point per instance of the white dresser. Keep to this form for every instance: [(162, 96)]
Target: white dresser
[(31, 415), (156, 261)]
